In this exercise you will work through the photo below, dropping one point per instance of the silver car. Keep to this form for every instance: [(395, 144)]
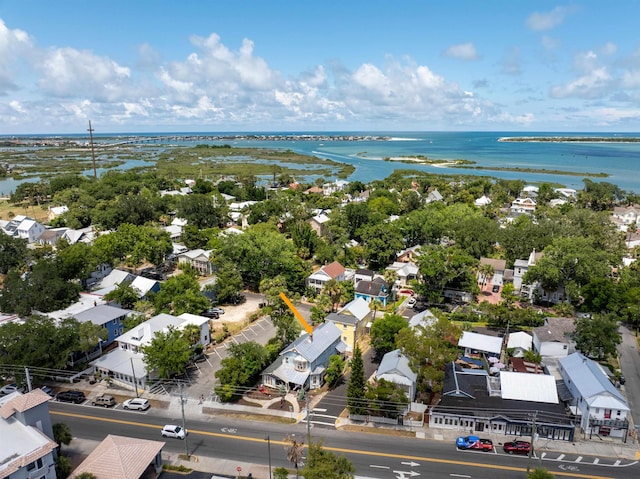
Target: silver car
[(136, 404)]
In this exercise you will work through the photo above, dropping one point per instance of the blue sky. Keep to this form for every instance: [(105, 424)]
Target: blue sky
[(161, 66)]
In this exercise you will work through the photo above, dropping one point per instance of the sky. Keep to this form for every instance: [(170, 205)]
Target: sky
[(140, 66)]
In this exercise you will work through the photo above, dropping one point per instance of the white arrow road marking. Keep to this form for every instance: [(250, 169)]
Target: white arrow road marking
[(410, 464), (401, 474), (459, 475)]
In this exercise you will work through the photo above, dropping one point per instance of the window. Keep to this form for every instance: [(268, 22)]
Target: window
[(37, 464)]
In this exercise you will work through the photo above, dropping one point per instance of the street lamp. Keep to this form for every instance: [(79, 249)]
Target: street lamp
[(186, 444), (269, 453)]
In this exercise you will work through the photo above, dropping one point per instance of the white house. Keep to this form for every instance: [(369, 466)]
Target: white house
[(523, 206), (498, 265), (553, 338), (199, 259), (602, 408), (23, 227), (125, 364), (394, 368), (406, 272), (318, 279), (483, 201)]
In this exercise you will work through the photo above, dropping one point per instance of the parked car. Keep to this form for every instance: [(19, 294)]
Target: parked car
[(209, 313), (621, 379), (474, 442), (411, 302), (177, 432), (104, 400), (517, 447), (216, 309), (10, 388), (496, 288), (71, 395), (136, 404)]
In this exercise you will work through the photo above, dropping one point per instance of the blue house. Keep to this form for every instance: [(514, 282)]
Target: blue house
[(109, 317), (304, 362), (372, 290)]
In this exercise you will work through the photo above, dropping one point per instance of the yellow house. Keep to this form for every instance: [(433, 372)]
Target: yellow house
[(351, 320)]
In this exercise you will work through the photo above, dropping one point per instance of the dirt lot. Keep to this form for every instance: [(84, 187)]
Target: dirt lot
[(239, 312)]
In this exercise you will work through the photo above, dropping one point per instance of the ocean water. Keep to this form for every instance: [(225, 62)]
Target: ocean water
[(621, 161)]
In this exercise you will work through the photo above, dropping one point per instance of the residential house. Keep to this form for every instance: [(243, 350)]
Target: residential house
[(568, 193), (623, 216), (55, 211), (304, 362), (433, 196), (498, 265), (363, 274), (28, 449), (523, 206), (319, 222), (409, 255), (82, 235), (120, 457), (112, 280), (475, 402), (85, 301), (553, 339), (144, 286), (201, 322), (125, 364), (603, 410), (376, 290), (475, 344), (110, 318), (520, 342), (318, 279), (406, 273), (351, 320), (23, 227), (482, 201), (198, 259), (330, 188), (395, 369), (50, 236), (534, 292), (424, 319)]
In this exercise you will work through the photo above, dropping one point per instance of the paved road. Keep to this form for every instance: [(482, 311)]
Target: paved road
[(630, 366)]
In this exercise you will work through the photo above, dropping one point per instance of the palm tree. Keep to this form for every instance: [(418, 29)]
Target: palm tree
[(333, 289), (294, 451), (486, 271)]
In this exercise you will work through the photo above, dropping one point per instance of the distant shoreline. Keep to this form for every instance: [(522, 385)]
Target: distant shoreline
[(570, 139)]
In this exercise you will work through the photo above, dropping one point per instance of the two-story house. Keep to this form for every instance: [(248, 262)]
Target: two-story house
[(109, 317), (375, 290), (352, 320), (318, 279), (304, 362), (602, 408), (198, 259), (27, 449), (125, 364)]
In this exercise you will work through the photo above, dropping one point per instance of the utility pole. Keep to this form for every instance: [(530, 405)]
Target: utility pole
[(308, 422), (269, 452), (186, 444), (93, 155), (533, 438)]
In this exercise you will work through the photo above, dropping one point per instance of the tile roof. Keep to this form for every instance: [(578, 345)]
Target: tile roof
[(334, 269), (120, 457), (23, 402)]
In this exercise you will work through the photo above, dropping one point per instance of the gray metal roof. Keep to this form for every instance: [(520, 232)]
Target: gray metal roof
[(324, 336), (394, 362), (101, 314), (588, 378)]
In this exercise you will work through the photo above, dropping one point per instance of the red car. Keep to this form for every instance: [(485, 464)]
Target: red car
[(517, 447)]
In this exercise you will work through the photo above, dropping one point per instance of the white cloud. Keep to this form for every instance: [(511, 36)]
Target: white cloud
[(67, 72), (15, 46), (539, 21), (465, 51), (591, 85)]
